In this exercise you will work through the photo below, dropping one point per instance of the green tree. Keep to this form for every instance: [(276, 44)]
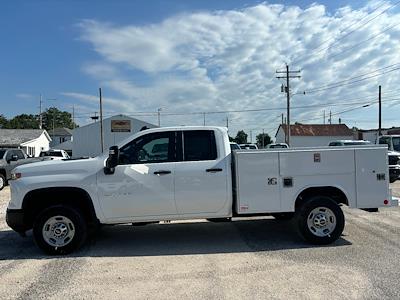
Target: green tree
[(263, 139), (3, 122), (23, 121), (241, 137), (231, 139), (54, 116)]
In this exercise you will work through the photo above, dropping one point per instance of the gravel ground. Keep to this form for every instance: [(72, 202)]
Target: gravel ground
[(256, 259)]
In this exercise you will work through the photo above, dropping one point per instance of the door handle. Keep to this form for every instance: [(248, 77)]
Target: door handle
[(214, 170), (162, 172)]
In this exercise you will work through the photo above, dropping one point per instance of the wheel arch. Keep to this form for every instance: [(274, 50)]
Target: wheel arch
[(334, 192), (37, 200)]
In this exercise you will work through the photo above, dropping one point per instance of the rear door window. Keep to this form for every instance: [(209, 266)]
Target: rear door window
[(19, 154), (199, 145)]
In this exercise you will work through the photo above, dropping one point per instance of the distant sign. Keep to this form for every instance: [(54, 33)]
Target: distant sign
[(120, 125)]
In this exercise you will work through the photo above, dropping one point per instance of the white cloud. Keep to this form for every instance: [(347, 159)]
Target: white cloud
[(226, 60)]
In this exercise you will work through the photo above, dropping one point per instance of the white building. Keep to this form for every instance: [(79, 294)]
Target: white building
[(59, 136), (32, 141), (372, 134), (313, 135), (87, 141)]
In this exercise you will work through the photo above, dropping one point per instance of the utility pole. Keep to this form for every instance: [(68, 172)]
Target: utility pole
[(159, 116), (283, 122), (73, 117), (251, 136), (204, 119), (101, 122), (54, 112), (287, 90), (324, 116), (54, 116), (263, 143), (330, 117), (380, 112), (40, 112), (227, 122)]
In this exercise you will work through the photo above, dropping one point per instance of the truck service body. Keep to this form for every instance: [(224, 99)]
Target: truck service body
[(190, 173)]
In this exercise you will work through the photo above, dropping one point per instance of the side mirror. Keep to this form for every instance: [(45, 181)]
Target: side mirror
[(112, 160)]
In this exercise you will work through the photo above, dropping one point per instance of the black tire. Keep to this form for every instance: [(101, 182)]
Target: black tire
[(3, 181), (391, 180), (77, 224), (283, 216), (334, 213)]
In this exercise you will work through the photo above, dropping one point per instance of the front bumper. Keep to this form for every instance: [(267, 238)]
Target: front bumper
[(15, 219)]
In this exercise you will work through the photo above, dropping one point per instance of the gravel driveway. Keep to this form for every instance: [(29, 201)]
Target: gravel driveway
[(256, 259)]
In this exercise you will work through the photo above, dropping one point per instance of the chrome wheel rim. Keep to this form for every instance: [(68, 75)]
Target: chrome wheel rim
[(58, 231), (321, 221)]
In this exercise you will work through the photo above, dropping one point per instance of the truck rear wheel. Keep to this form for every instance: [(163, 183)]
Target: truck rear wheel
[(320, 220), (60, 230), (2, 181)]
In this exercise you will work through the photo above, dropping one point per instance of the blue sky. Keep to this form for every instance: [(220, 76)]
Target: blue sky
[(178, 55)]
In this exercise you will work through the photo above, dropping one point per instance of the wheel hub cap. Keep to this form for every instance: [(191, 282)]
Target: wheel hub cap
[(321, 221), (58, 231)]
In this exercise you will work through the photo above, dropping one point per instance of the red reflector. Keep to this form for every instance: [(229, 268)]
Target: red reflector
[(385, 202)]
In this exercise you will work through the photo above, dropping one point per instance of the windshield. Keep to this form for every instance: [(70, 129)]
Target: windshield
[(2, 153), (396, 143)]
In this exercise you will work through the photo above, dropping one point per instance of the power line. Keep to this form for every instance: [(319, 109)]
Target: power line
[(362, 75), (369, 39), (343, 111), (351, 81), (350, 32), (344, 103)]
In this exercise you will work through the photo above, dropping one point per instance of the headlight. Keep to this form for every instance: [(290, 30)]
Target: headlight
[(15, 176)]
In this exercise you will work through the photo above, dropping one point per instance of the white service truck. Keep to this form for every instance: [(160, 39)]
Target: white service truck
[(190, 173)]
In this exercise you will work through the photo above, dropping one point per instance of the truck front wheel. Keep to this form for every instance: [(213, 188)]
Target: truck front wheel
[(320, 220), (59, 230)]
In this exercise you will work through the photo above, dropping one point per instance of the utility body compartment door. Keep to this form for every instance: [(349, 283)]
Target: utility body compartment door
[(372, 177), (257, 182)]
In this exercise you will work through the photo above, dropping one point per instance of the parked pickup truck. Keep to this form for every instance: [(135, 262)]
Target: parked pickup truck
[(190, 173), (393, 144), (9, 159)]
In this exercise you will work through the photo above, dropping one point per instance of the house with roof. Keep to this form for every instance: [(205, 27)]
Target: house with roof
[(59, 136), (87, 139), (313, 135), (32, 141)]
